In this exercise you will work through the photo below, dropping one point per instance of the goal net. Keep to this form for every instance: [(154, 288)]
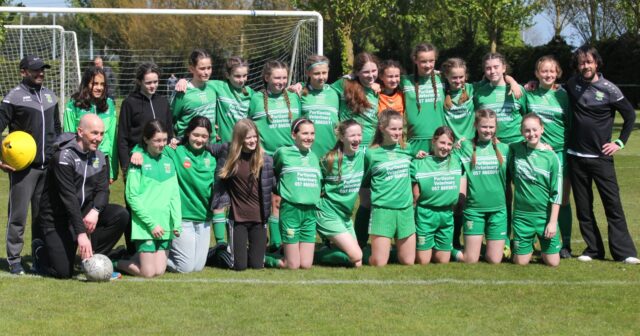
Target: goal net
[(126, 37), (59, 48)]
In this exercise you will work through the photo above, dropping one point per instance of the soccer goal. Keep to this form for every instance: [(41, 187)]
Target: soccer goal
[(59, 48), (167, 36)]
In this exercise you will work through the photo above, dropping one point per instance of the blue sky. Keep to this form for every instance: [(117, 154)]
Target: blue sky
[(540, 33)]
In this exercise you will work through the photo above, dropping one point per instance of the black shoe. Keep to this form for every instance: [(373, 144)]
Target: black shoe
[(16, 269), (36, 265), (565, 253)]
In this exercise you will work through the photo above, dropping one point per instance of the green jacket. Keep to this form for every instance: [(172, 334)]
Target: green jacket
[(153, 193)]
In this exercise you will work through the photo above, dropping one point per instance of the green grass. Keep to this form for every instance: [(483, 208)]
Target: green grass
[(573, 299)]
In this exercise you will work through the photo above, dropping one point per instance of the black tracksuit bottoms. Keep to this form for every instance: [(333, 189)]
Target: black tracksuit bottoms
[(248, 244), (58, 256), (584, 172)]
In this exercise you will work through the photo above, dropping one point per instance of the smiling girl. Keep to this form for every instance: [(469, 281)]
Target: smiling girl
[(92, 98), (536, 175), (297, 171), (390, 96)]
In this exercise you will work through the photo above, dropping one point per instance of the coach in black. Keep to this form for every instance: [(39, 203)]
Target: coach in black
[(75, 213), (32, 108), (594, 101)]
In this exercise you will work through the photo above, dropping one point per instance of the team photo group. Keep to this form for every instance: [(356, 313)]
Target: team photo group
[(379, 166)]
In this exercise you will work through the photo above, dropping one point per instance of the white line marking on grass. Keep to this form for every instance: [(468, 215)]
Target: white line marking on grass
[(374, 282)]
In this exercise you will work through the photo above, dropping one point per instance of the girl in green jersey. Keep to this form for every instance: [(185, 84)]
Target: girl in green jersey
[(387, 164), (485, 214), (536, 175), (423, 97), (551, 103), (458, 100), (359, 102), (152, 192), (436, 189), (273, 109), (496, 95), (320, 103), (92, 98), (342, 170), (297, 171), (199, 97)]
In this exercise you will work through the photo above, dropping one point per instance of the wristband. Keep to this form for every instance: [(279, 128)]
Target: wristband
[(619, 143)]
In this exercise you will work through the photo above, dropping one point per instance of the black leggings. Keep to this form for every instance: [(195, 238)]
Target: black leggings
[(58, 256), (251, 233)]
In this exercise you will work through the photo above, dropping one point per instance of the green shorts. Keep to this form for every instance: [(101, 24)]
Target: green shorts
[(297, 223), (420, 144), (434, 229), (392, 223), (525, 229), (152, 245), (491, 224), (330, 225)]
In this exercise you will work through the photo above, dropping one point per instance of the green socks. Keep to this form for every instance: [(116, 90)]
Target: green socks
[(272, 260), (275, 240), (219, 227), (361, 225), (565, 221), (331, 256)]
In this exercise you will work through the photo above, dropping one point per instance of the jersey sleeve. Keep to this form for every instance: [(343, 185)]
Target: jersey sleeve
[(70, 117), (555, 180), (63, 169), (135, 198), (366, 178), (111, 134)]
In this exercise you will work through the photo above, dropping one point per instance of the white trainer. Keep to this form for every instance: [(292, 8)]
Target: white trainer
[(631, 261), (584, 258)]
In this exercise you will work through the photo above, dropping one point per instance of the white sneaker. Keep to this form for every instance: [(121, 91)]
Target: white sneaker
[(631, 261), (584, 258)]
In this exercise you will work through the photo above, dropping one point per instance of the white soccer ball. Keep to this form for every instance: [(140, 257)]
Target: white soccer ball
[(98, 268)]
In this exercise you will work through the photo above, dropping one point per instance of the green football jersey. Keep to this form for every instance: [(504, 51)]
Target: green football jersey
[(275, 129), (298, 175), (108, 146), (421, 124), (508, 109), (196, 173), (460, 117), (438, 180), (552, 106), (191, 103), (387, 173), (537, 179), (367, 119), (232, 105), (321, 107), (341, 187), (487, 179)]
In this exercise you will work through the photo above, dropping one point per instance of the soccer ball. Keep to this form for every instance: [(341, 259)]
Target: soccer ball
[(18, 150), (98, 268)]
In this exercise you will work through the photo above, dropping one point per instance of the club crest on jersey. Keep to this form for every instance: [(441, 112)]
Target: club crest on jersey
[(167, 168), (95, 163), (599, 95), (207, 163), (49, 98), (187, 163)]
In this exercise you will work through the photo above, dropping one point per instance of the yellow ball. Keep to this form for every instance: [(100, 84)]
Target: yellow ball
[(18, 150)]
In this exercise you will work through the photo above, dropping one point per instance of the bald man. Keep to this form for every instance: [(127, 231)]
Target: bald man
[(75, 214)]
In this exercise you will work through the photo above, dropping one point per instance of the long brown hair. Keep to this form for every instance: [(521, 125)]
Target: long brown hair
[(338, 149), (447, 66), (240, 131), (266, 72), (384, 119), (233, 63), (486, 114), (83, 98), (354, 94), (423, 47)]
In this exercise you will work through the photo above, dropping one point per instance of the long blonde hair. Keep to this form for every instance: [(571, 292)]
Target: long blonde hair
[(240, 131), (384, 119)]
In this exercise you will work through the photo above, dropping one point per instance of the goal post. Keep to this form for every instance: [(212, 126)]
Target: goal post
[(57, 47), (261, 35)]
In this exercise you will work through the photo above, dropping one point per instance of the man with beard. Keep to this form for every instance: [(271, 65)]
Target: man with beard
[(32, 108), (594, 101)]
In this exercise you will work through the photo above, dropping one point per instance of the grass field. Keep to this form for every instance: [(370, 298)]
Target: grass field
[(602, 297)]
